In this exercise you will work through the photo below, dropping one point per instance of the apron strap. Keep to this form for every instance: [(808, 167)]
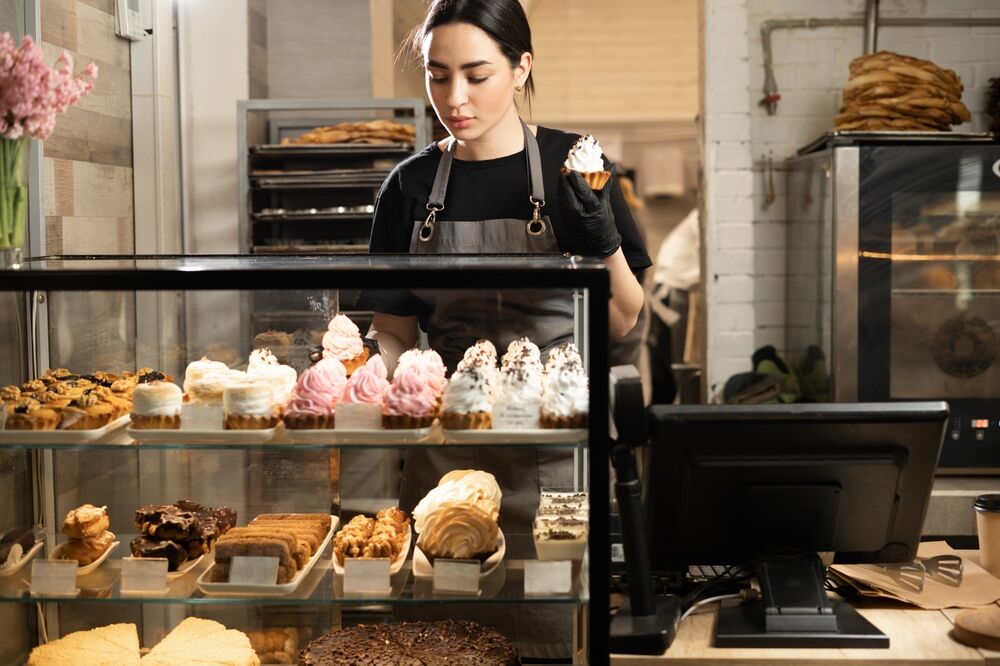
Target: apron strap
[(435, 202)]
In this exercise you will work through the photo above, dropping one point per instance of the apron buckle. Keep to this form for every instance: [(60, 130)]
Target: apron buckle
[(536, 226), (427, 228)]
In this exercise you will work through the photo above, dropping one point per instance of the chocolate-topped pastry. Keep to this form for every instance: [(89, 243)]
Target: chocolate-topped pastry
[(166, 521), (145, 547), (451, 642)]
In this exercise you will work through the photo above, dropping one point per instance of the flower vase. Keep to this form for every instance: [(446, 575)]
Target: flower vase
[(13, 200)]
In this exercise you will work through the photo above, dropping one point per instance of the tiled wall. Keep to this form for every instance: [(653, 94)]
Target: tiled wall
[(745, 255), (87, 198)]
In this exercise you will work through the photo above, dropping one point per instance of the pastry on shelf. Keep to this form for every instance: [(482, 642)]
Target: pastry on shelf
[(264, 367), (86, 521), (86, 551), (565, 390), (199, 641), (157, 406), (458, 518), (467, 403), (249, 406), (342, 341), (180, 532), (364, 537), (275, 646), (482, 355), (561, 525), (433, 643), (292, 538), (116, 644), (316, 393), (410, 401), (517, 396), (360, 405)]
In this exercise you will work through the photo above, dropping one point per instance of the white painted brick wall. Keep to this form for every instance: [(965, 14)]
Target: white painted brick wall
[(745, 296)]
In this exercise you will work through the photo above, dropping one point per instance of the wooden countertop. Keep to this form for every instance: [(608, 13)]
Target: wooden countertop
[(915, 637)]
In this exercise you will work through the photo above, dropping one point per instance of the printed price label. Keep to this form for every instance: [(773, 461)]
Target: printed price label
[(253, 570), (548, 577), (456, 576), (142, 575), (53, 577), (368, 577)]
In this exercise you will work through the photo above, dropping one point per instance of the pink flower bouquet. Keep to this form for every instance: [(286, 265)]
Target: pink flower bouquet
[(31, 94)]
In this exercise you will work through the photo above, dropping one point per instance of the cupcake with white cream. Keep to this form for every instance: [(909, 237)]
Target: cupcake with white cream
[(586, 158), (342, 341), (565, 391), (156, 406), (249, 406), (467, 403)]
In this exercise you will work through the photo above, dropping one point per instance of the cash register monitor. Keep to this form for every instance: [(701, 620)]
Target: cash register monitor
[(769, 486)]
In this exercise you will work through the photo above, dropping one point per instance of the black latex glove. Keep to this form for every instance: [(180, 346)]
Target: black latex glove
[(588, 216)]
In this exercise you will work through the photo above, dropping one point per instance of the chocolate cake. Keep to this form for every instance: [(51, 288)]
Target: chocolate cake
[(447, 642), (145, 547)]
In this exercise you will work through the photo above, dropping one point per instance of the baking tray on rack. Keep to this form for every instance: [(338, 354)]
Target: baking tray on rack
[(331, 149)]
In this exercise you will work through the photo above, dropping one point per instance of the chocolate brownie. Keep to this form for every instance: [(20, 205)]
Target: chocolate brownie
[(447, 642), (145, 547)]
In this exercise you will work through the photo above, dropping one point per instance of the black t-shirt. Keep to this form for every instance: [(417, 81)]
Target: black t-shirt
[(482, 190)]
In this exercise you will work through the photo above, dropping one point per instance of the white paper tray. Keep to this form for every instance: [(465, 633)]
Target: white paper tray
[(229, 589), (422, 568), (90, 568), (534, 436), (195, 437), (25, 558), (61, 436), (395, 565), (185, 567)]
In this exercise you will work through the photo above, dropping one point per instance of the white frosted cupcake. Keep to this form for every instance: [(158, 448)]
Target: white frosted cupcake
[(264, 367), (156, 406), (249, 406), (565, 391), (585, 157), (342, 341), (467, 404), (517, 399), (204, 383)]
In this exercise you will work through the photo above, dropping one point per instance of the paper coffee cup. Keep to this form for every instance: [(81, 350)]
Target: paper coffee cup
[(988, 526)]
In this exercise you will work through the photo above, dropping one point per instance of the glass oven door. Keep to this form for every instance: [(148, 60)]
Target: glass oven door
[(929, 288)]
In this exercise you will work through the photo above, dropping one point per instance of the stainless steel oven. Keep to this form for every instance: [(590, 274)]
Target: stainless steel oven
[(894, 271)]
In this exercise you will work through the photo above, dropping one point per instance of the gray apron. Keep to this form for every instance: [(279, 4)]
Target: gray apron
[(458, 319)]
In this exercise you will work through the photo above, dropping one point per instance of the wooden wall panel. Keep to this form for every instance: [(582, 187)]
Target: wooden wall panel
[(87, 197)]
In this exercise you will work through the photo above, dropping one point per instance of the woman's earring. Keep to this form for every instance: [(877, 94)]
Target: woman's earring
[(518, 88)]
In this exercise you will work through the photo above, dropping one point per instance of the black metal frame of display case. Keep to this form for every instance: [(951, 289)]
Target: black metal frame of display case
[(247, 272)]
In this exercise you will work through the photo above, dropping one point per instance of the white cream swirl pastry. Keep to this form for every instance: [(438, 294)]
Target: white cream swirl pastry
[(524, 351), (467, 392), (481, 355), (585, 156), (252, 399), (466, 486), (565, 391), (264, 367), (157, 399), (342, 339), (458, 530), (207, 378)]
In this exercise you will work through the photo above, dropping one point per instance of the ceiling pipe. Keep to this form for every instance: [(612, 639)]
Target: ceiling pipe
[(771, 96), (871, 26)]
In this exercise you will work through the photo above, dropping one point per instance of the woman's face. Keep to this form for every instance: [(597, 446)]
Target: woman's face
[(469, 80)]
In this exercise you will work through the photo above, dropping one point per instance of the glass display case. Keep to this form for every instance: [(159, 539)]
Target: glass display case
[(74, 323), (894, 272)]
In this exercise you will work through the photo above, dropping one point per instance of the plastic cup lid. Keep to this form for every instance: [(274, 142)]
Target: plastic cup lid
[(988, 502)]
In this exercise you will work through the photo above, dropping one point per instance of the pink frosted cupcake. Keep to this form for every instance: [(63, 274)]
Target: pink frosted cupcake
[(342, 341), (410, 401), (429, 366), (360, 405), (316, 392)]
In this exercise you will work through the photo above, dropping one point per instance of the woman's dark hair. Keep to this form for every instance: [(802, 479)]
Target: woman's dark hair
[(503, 20)]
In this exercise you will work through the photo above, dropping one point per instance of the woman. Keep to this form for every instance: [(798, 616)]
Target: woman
[(493, 187)]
